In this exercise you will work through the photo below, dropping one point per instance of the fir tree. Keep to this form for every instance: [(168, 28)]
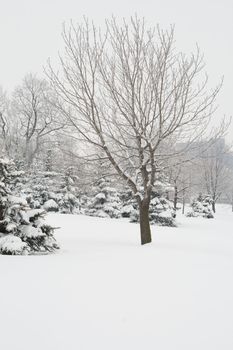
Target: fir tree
[(51, 191), (22, 230), (160, 211), (201, 206), (104, 200), (69, 202)]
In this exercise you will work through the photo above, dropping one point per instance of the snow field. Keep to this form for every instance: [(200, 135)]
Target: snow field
[(103, 291)]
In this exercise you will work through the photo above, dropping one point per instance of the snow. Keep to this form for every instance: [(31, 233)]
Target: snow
[(30, 231), (103, 291), (50, 205), (13, 244), (100, 196), (35, 212), (11, 227), (5, 161), (17, 200), (127, 209)]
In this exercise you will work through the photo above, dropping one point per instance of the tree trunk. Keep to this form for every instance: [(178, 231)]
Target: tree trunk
[(183, 202), (175, 197), (213, 206), (183, 205), (144, 222), (2, 211)]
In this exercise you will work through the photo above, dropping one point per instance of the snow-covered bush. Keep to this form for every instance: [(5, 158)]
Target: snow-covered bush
[(160, 212), (127, 211), (38, 188), (129, 207), (13, 245), (52, 191), (22, 230), (50, 205), (69, 202), (201, 206), (104, 201)]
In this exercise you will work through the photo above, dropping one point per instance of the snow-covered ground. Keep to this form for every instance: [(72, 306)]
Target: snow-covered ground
[(103, 291)]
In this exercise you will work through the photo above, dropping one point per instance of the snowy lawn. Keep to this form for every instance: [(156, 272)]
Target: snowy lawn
[(103, 291)]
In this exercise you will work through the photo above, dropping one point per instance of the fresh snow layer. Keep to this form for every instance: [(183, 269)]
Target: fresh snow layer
[(13, 244), (103, 291)]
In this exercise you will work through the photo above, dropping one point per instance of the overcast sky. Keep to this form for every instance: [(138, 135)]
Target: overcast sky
[(30, 33)]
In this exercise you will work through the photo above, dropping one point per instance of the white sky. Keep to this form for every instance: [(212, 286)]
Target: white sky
[(30, 33)]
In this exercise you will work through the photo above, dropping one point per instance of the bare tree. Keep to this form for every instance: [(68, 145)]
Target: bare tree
[(215, 173), (229, 188), (180, 177), (126, 91), (34, 110), (4, 121)]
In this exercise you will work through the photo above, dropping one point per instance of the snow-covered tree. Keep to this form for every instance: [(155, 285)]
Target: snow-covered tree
[(5, 123), (69, 202), (215, 171), (129, 204), (51, 191), (104, 200), (161, 211), (201, 206), (22, 230)]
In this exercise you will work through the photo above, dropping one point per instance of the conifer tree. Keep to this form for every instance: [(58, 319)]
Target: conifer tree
[(104, 200), (22, 230), (201, 206)]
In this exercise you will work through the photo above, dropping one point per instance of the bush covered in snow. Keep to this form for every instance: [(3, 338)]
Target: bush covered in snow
[(103, 200), (22, 230), (160, 212), (52, 191), (201, 206)]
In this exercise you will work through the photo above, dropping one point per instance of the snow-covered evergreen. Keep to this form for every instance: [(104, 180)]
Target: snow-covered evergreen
[(161, 209), (201, 206), (129, 204), (22, 230), (103, 200), (107, 199), (69, 202), (51, 191)]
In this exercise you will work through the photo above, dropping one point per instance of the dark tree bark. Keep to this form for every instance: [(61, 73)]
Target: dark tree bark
[(183, 204), (175, 197), (2, 212), (144, 222), (213, 207)]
